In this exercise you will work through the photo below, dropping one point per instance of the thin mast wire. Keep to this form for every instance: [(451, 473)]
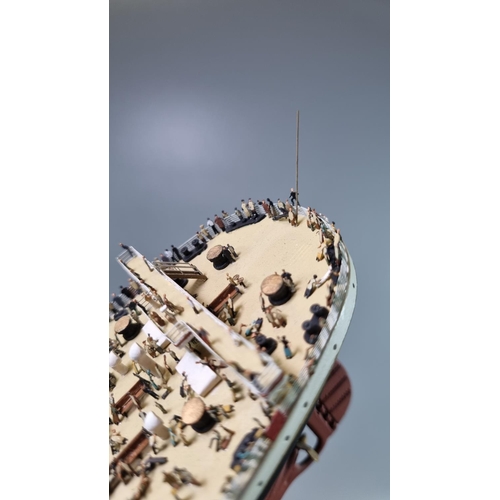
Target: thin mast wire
[(297, 173)]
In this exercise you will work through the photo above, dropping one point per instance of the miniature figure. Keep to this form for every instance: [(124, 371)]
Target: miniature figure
[(232, 251), (175, 309), (262, 302), (203, 334), (133, 305), (134, 400), (172, 353), (267, 409), (128, 249), (281, 206), (213, 226), (272, 208), (226, 439), (156, 318), (177, 254), (239, 214), (130, 294), (136, 367), (172, 480), (213, 412), (167, 367), (227, 255), (302, 445), (158, 405), (122, 467), (169, 255), (184, 440), (233, 386), (216, 366), (275, 317), (166, 393), (311, 286), (244, 207), (266, 208), (133, 285), (152, 443), (201, 237), (251, 207), (259, 423), (310, 223), (225, 315), (194, 306), (204, 232), (154, 343), (185, 389), (250, 375), (292, 218), (150, 375), (287, 278), (143, 486), (225, 409), (112, 381), (134, 314), (174, 441), (254, 327), (115, 414), (149, 463), (147, 389), (310, 360), (215, 438), (336, 242), (219, 223), (114, 447), (204, 362), (252, 396), (150, 349), (178, 421), (293, 196), (239, 280), (226, 487), (118, 301), (186, 477), (286, 348), (235, 281), (117, 438), (230, 305), (113, 346)]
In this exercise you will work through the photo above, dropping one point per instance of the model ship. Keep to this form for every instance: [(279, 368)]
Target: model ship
[(223, 350)]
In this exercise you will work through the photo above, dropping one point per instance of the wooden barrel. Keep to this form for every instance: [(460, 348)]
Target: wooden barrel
[(195, 414), (216, 256), (276, 290), (124, 326)]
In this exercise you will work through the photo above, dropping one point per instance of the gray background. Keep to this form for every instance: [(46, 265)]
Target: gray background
[(203, 100)]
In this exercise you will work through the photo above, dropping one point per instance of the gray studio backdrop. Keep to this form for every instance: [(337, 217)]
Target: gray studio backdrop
[(203, 101)]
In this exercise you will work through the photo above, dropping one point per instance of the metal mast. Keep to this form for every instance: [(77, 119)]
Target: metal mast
[(297, 172)]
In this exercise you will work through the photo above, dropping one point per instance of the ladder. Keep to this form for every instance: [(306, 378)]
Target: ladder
[(179, 270)]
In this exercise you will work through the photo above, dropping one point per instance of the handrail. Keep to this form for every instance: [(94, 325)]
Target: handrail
[(240, 481)]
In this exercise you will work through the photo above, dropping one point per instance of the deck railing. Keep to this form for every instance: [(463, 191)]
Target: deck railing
[(327, 330), (241, 479), (213, 232)]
